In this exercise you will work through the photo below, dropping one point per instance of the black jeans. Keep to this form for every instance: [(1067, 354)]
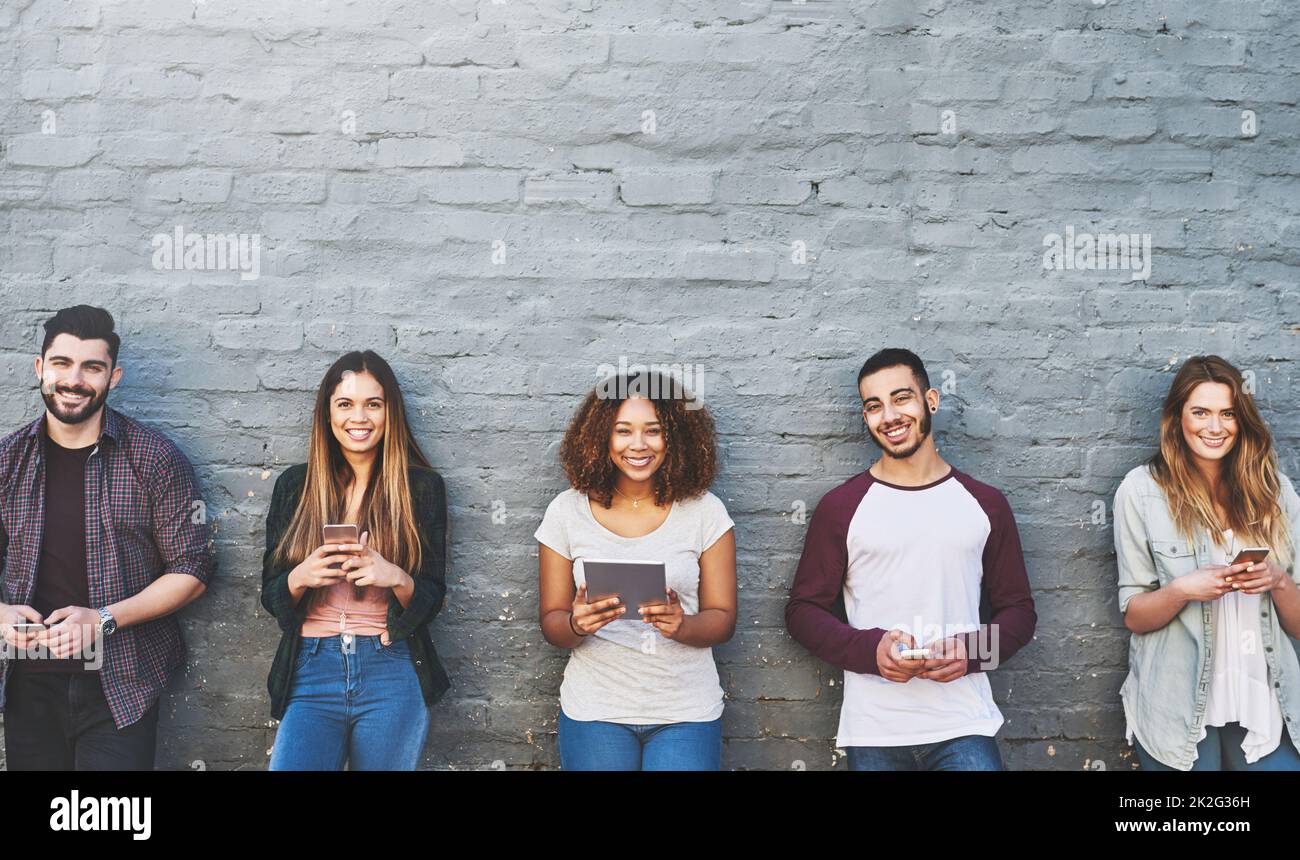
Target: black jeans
[(61, 721)]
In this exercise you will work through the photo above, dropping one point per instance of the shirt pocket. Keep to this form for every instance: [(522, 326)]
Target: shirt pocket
[(1174, 557), (131, 519), (130, 513)]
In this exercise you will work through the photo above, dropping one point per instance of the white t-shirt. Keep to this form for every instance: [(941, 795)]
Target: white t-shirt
[(628, 672), (915, 564), (919, 560)]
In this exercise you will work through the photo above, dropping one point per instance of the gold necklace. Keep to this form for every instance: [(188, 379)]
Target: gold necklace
[(635, 502)]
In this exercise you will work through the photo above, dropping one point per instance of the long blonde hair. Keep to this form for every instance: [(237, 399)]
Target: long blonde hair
[(387, 511), (1249, 484)]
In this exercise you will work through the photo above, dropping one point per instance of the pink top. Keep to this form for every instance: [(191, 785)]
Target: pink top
[(335, 610)]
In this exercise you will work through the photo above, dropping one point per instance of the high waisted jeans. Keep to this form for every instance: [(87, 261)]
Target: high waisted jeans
[(353, 700)]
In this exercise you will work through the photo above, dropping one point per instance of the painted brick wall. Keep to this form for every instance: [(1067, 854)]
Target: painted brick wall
[(502, 196)]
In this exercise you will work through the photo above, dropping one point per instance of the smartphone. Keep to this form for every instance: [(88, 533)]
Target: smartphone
[(1252, 554), (915, 653), (28, 627), (339, 534)]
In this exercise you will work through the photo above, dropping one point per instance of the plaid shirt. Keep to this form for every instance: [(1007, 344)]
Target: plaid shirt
[(140, 512)]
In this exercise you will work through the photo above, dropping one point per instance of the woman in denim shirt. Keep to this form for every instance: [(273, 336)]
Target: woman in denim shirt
[(1213, 683)]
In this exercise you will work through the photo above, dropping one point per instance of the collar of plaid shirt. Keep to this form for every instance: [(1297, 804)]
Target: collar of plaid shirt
[(112, 428), (140, 496)]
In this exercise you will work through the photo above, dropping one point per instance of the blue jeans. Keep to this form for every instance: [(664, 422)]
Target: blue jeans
[(969, 752), (1220, 749), (358, 703), (597, 745)]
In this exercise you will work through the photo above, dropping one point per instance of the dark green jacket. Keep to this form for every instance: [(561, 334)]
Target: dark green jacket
[(429, 499)]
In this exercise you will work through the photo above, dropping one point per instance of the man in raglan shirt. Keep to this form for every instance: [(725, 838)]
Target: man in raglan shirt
[(913, 545)]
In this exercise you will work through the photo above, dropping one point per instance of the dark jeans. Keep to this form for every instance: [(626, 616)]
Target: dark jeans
[(969, 752), (61, 721)]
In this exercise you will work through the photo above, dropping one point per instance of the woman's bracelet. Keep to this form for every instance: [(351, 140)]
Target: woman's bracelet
[(575, 629)]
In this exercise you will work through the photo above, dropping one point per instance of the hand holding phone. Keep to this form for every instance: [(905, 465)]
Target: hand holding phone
[(1252, 554), (948, 661), (20, 625), (890, 663), (342, 534), (26, 634), (323, 566), (345, 534), (1256, 581)]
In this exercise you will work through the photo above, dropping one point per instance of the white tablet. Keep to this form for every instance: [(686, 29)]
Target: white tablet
[(636, 583)]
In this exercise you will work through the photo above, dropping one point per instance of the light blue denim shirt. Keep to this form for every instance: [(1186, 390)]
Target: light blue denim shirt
[(1167, 687)]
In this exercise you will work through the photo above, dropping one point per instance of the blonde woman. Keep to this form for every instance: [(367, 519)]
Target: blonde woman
[(1213, 681), (355, 671)]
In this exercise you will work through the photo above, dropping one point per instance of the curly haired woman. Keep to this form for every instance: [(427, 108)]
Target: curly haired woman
[(639, 694)]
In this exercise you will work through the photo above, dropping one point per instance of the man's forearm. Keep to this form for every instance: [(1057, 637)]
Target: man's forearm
[(165, 595), (819, 630)]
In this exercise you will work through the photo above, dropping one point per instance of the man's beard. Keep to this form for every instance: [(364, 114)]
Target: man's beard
[(906, 452), (80, 413)]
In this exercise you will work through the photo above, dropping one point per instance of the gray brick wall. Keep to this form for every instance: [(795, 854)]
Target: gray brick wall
[(501, 196)]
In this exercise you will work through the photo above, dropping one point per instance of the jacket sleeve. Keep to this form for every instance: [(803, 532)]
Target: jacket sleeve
[(430, 499), (1290, 509), (275, 579), (1137, 570), (818, 583), (1006, 584)]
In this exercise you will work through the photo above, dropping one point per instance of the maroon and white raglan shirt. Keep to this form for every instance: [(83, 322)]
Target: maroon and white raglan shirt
[(915, 559)]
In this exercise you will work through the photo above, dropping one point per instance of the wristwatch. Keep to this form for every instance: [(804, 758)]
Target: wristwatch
[(107, 623)]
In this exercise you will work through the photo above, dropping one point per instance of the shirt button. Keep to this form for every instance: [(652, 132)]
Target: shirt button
[(419, 662), (1268, 648)]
